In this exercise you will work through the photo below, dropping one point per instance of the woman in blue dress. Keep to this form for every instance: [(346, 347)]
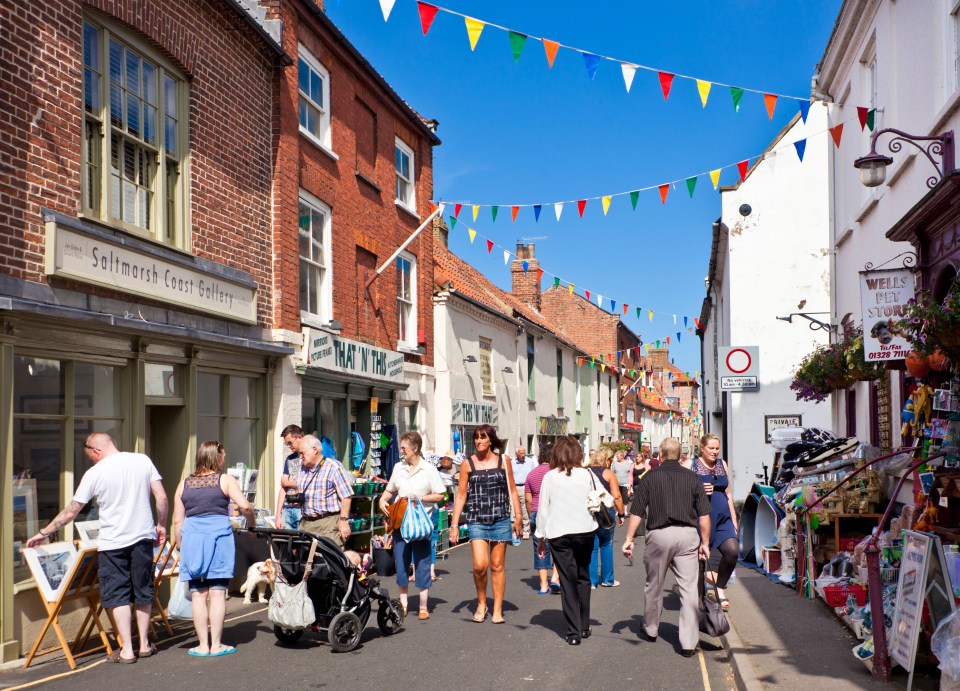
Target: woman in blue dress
[(714, 473)]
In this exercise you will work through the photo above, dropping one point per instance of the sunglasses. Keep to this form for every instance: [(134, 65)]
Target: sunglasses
[(89, 448), (479, 436)]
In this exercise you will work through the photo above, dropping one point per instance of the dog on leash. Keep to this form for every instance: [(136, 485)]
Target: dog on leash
[(259, 576)]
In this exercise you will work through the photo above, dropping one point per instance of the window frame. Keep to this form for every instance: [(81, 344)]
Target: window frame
[(486, 382), (531, 368), (409, 339), (951, 51), (325, 315), (96, 196), (324, 138), (410, 204), (559, 378)]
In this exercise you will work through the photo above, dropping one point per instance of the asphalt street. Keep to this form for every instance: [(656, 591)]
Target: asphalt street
[(447, 651)]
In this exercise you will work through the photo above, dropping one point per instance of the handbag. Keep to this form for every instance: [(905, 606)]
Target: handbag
[(713, 620), (395, 513), (416, 522), (599, 503), (290, 605), (180, 605)]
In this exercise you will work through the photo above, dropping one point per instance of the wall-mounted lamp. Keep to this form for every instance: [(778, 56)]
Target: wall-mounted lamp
[(470, 358), (815, 324), (508, 369), (873, 166)]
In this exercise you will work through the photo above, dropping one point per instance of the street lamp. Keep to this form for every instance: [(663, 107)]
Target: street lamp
[(873, 166)]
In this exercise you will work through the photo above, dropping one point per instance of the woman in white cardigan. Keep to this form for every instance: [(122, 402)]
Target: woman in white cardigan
[(564, 520)]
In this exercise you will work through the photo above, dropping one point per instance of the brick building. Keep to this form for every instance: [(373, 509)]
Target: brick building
[(136, 271), (680, 392), (354, 173)]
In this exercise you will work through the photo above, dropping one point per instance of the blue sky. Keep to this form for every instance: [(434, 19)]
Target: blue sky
[(522, 133)]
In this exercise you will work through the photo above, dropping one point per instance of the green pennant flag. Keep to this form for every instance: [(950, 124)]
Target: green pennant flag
[(556, 283), (634, 196), (691, 185), (516, 43), (633, 373), (493, 212), (736, 93), (638, 313), (592, 363), (658, 344), (871, 118), (453, 222)]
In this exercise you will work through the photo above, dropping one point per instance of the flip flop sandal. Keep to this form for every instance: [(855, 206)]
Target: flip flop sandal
[(543, 592), (555, 587), (115, 657), (227, 650), (480, 615), (196, 653), (424, 613), (724, 604), (501, 620), (149, 653)]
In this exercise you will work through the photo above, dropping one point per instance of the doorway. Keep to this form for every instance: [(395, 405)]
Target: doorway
[(166, 442)]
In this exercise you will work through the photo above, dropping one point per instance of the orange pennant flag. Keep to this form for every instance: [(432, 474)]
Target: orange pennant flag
[(837, 132), (474, 29), (770, 101), (550, 48), (539, 275), (514, 210), (664, 189)]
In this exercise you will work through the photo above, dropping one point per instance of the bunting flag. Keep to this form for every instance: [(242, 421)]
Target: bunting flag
[(386, 6), (742, 169), (638, 315), (514, 210), (493, 213), (456, 210), (536, 212), (570, 287), (836, 133), (605, 201), (862, 116), (489, 246), (678, 337), (715, 177), (591, 62), (556, 282), (650, 313), (666, 81), (634, 196), (474, 29), (476, 210), (526, 265), (550, 48), (771, 158), (770, 101), (473, 234), (691, 185), (581, 205), (664, 189), (871, 117), (600, 301), (539, 275), (453, 222), (800, 145), (558, 208), (628, 71), (804, 109), (613, 308), (506, 257), (625, 308), (704, 90), (517, 40), (684, 322), (427, 14), (736, 93), (587, 293)]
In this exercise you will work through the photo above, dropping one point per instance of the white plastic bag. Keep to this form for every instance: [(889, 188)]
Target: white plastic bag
[(945, 644), (181, 603)]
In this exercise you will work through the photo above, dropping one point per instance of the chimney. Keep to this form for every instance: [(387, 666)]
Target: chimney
[(526, 284), (441, 232), (660, 357)]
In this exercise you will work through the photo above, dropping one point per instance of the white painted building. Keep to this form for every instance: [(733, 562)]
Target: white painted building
[(770, 258), (902, 58)]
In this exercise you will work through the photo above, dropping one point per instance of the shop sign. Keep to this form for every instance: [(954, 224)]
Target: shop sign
[(553, 426), (471, 413), (884, 295), (772, 422), (91, 259), (328, 352)]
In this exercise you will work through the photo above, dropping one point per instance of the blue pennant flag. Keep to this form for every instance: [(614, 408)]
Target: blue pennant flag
[(801, 146), (536, 212), (804, 109), (592, 62), (613, 308), (525, 267)]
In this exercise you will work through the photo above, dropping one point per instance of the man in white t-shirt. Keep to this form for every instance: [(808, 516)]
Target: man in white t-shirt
[(122, 484)]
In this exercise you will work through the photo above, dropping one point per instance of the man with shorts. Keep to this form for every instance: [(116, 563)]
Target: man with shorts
[(121, 483), (288, 513)]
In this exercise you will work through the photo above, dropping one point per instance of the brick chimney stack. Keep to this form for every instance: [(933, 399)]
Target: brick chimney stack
[(526, 284), (441, 232), (660, 358)]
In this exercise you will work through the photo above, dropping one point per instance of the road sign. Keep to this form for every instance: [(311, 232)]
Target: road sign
[(739, 368)]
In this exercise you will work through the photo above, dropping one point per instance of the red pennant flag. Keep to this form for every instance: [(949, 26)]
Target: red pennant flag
[(668, 340), (587, 293), (514, 210), (427, 14), (862, 116), (664, 189), (625, 307), (666, 81), (433, 207), (836, 133), (550, 48), (539, 275), (770, 101), (742, 167), (489, 246), (581, 205), (456, 210)]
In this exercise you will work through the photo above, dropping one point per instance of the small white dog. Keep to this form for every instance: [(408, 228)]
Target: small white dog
[(259, 576)]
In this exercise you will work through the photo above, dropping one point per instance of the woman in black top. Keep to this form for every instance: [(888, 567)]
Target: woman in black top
[(484, 496)]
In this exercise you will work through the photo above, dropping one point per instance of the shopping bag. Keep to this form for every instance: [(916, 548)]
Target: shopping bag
[(180, 605), (290, 605), (416, 522), (713, 620), (599, 504)]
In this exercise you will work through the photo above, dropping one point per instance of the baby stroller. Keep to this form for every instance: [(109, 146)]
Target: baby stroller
[(342, 596)]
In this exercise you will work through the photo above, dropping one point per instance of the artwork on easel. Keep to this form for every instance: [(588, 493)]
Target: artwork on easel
[(49, 564), (86, 569), (88, 530)]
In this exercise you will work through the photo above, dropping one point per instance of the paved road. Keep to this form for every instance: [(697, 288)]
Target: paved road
[(448, 651)]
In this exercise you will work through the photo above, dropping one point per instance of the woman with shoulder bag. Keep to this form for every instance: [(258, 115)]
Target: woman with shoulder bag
[(412, 479), (485, 494), (602, 555), (564, 520)]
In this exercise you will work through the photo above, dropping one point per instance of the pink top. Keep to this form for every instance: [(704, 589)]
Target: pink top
[(534, 480)]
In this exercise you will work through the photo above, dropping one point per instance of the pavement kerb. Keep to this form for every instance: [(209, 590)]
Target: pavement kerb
[(743, 671)]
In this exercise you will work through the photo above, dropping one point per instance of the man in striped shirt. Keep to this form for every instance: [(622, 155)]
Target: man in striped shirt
[(677, 512)]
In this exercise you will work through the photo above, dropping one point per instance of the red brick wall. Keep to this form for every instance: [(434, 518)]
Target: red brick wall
[(593, 329), (367, 227), (526, 284), (230, 71)]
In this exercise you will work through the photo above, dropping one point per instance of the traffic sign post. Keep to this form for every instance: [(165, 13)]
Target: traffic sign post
[(739, 368)]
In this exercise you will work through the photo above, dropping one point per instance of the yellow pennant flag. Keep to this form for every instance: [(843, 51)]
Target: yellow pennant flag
[(606, 203), (715, 177), (473, 234), (704, 89), (650, 314), (571, 288), (647, 346), (476, 210), (474, 29)]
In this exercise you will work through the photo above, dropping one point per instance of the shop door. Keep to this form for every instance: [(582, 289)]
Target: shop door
[(167, 443)]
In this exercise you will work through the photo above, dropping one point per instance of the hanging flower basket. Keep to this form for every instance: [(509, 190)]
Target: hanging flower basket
[(832, 367), (932, 326)]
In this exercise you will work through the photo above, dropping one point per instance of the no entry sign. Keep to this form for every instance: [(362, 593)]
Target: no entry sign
[(739, 368)]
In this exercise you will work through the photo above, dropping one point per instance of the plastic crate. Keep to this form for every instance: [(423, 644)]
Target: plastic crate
[(837, 595)]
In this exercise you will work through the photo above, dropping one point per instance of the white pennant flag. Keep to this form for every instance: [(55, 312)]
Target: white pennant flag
[(599, 301), (441, 206), (771, 159), (387, 7), (674, 319), (628, 72), (506, 256), (558, 207)]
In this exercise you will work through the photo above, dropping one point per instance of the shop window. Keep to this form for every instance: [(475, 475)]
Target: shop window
[(227, 411), (316, 291), (403, 160), (313, 86), (160, 380), (407, 299), (135, 134), (559, 378), (408, 418), (578, 391), (486, 370), (531, 368)]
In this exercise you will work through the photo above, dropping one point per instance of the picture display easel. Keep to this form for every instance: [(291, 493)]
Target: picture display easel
[(80, 584), (166, 565)]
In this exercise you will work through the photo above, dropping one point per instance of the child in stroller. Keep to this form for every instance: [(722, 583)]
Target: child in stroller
[(342, 594)]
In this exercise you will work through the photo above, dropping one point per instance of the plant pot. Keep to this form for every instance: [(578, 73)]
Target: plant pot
[(937, 361), (917, 365)]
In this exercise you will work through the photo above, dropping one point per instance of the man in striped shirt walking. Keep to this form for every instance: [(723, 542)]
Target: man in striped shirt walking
[(677, 512)]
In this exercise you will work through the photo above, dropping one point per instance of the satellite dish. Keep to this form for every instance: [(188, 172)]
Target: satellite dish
[(745, 210)]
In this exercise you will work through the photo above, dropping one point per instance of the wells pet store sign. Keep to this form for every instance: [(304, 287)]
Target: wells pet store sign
[(884, 295)]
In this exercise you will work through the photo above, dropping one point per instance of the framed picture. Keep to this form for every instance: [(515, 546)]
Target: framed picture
[(88, 530), (165, 563), (17, 554), (49, 564), (86, 569), (25, 523)]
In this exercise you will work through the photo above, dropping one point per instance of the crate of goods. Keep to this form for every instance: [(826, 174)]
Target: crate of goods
[(772, 559), (861, 500), (443, 520), (837, 595)]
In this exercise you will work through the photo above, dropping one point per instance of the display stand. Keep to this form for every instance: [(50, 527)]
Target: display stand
[(374, 529), (166, 565), (81, 583)]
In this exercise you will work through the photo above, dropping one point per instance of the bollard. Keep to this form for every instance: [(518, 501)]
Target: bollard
[(881, 657)]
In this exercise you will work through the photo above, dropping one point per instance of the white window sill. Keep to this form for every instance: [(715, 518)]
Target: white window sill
[(318, 144), (400, 205), (408, 350), (308, 319)]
